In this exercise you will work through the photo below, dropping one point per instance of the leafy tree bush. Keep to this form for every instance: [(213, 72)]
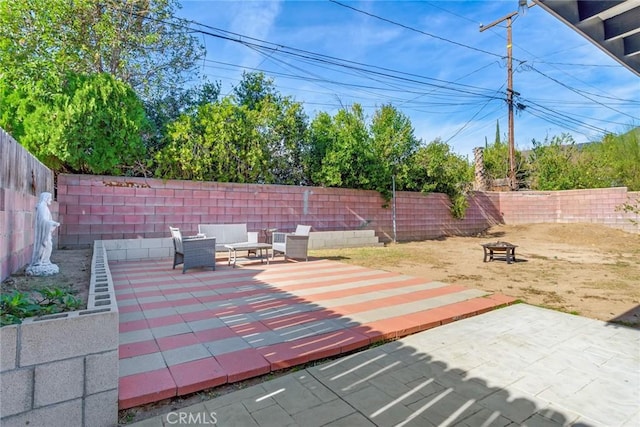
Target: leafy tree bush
[(281, 124), (622, 155), (346, 151), (496, 163), (141, 43), (89, 124), (434, 168), (554, 164), (560, 164), (393, 143), (254, 136), (347, 159), (165, 109)]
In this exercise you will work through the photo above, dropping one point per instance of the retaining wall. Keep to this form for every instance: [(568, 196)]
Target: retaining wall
[(162, 247), (62, 369)]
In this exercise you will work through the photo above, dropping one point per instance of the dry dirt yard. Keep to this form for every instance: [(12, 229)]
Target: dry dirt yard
[(75, 275)]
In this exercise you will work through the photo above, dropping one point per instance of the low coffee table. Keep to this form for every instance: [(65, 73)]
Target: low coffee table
[(234, 247), (506, 247)]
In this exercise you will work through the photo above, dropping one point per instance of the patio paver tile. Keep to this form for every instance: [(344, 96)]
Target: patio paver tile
[(197, 375)]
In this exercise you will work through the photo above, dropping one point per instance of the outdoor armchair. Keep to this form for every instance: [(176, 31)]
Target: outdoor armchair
[(193, 251), (292, 245)]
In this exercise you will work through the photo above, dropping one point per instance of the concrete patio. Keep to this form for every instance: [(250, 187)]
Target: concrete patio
[(516, 366), (182, 333)]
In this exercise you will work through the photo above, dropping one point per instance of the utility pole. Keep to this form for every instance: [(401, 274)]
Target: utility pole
[(512, 160)]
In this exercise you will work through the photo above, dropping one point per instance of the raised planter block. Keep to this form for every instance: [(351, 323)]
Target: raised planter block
[(138, 249), (343, 239), (62, 369)]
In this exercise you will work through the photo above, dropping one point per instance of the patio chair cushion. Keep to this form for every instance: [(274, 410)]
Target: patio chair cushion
[(193, 251), (292, 245)]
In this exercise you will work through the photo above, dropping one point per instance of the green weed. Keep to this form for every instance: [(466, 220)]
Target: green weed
[(16, 305)]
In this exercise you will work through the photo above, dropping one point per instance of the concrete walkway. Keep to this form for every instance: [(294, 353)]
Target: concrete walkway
[(519, 365), (182, 333)]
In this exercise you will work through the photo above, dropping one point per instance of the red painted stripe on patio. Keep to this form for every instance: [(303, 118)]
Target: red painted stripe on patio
[(139, 389), (197, 375), (243, 364)]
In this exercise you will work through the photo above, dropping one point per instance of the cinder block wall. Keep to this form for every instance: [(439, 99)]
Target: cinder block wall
[(599, 206), (61, 374), (62, 369), (108, 208)]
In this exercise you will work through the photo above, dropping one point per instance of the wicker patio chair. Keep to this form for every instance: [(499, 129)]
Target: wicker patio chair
[(193, 251), (292, 245)]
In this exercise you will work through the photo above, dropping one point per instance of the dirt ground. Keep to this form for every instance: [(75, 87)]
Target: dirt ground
[(585, 269), (75, 275)]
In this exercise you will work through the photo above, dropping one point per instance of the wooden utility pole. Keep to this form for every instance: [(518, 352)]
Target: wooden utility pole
[(512, 160)]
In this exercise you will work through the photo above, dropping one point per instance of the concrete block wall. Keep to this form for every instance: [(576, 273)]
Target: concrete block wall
[(108, 208), (158, 248), (62, 369), (599, 206), (138, 249), (343, 239)]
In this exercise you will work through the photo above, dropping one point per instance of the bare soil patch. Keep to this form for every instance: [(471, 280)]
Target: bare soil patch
[(75, 275)]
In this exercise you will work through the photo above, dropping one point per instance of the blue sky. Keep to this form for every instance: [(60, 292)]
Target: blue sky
[(431, 62)]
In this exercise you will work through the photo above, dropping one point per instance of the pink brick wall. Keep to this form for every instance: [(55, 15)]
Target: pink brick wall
[(595, 206), (95, 207), (16, 229), (99, 207)]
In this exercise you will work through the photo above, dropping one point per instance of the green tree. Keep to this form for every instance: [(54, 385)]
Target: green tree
[(256, 135), (392, 142), (217, 144), (92, 124), (555, 164), (141, 43), (253, 89), (622, 153), (348, 157), (284, 129), (166, 109), (321, 138), (281, 125), (435, 168), (496, 162)]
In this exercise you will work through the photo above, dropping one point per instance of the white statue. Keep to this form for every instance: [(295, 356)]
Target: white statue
[(43, 240)]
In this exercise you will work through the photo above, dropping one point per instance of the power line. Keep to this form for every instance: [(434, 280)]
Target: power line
[(401, 81), (537, 59), (582, 94), (415, 29)]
